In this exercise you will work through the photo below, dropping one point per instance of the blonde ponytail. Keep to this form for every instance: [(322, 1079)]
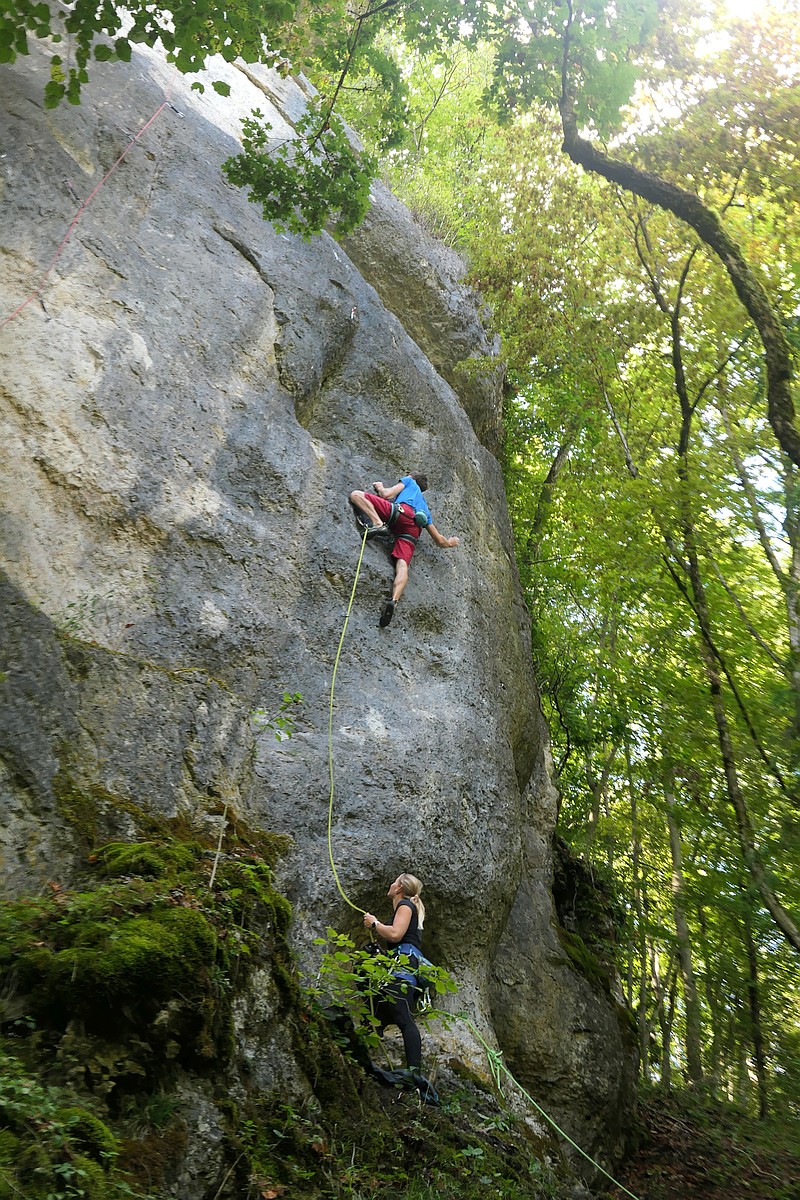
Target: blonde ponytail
[(411, 890)]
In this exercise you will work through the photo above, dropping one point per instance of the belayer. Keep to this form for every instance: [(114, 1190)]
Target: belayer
[(396, 1002), (400, 512)]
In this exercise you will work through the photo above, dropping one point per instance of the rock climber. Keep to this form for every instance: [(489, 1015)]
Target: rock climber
[(399, 512), (396, 1002)]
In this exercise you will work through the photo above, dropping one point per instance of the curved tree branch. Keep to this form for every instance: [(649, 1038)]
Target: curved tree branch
[(708, 226)]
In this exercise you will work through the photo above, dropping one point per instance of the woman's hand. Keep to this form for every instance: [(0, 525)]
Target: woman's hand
[(370, 921)]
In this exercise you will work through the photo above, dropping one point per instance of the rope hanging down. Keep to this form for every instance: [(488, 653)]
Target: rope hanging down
[(330, 730), (498, 1068)]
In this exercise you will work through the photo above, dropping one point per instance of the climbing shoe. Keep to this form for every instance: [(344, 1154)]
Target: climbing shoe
[(408, 1079), (378, 531), (387, 612)]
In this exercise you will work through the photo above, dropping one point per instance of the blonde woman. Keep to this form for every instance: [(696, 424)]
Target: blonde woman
[(396, 1002)]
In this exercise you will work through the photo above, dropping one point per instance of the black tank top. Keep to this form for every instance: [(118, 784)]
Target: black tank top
[(412, 934)]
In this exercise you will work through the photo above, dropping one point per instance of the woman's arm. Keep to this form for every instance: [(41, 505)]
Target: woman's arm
[(397, 930)]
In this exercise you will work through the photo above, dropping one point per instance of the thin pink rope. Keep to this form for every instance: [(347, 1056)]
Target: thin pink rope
[(79, 214)]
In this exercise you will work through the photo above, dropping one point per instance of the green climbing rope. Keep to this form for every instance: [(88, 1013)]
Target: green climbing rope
[(342, 893), (498, 1068)]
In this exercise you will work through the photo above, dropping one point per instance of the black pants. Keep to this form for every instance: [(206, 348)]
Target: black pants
[(395, 1006)]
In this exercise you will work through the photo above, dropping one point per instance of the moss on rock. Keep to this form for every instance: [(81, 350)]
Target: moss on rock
[(152, 860), (584, 960)]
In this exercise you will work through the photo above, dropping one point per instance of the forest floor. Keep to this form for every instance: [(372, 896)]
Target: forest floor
[(692, 1148)]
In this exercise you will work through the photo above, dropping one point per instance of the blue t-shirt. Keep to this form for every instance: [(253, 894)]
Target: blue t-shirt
[(412, 495)]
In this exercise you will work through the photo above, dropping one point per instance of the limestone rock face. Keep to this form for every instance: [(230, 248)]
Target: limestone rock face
[(184, 412), (421, 281)]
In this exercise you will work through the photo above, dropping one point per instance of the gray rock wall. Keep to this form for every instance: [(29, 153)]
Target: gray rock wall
[(183, 416)]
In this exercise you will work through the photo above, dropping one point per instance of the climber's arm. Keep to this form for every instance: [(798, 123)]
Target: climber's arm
[(395, 932), (444, 542), (387, 493)]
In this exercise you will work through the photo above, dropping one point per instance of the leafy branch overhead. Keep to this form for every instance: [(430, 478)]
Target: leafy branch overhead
[(584, 57), (302, 185), (190, 32)]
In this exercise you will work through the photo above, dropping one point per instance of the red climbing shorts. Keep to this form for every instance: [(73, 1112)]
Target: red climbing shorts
[(405, 524)]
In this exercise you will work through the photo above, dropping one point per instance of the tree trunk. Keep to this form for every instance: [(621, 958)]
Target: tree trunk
[(713, 1056), (694, 1061), (744, 829), (792, 589), (754, 997), (708, 653), (666, 1021), (640, 906), (788, 579), (544, 503), (598, 788)]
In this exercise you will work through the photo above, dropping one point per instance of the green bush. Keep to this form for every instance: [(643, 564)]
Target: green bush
[(51, 1150)]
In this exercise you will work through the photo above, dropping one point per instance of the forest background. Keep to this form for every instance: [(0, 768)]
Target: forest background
[(622, 180)]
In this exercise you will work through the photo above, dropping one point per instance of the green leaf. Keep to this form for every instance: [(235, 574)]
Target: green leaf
[(53, 94), (222, 89)]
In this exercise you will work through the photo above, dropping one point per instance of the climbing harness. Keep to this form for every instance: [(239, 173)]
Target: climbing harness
[(417, 963), (421, 518)]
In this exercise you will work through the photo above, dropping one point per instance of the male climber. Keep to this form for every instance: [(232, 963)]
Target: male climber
[(380, 507)]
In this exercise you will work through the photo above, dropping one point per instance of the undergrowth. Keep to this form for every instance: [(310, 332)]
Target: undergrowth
[(692, 1147)]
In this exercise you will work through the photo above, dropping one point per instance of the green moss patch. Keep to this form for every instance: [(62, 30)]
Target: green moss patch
[(109, 989), (584, 960), (116, 951)]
